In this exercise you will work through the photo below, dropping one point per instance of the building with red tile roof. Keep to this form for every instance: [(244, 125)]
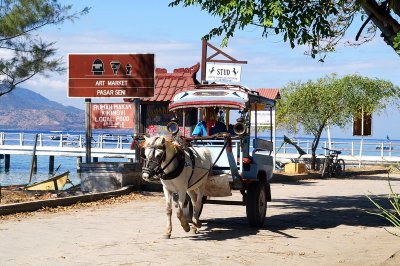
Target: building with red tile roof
[(168, 84), (154, 114), (269, 93)]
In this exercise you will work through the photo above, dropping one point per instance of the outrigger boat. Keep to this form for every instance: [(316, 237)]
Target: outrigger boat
[(55, 183)]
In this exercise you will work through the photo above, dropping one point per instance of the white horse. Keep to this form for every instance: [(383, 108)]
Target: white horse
[(181, 171)]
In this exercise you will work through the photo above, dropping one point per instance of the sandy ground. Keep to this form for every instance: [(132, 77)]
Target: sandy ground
[(311, 222)]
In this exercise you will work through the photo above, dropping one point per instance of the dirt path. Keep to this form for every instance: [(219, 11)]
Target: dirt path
[(314, 222)]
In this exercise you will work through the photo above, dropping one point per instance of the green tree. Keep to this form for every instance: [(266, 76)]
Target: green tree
[(320, 24), (25, 54), (330, 101)]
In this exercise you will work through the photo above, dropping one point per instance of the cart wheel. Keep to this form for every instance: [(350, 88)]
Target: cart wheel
[(256, 204), (188, 208)]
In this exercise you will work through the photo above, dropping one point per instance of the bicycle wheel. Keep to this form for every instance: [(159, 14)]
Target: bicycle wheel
[(325, 168), (340, 168)]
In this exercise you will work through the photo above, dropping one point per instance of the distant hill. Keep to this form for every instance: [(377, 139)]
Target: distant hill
[(27, 110)]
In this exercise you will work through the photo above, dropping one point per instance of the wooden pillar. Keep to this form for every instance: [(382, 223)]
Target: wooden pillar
[(35, 164), (88, 130), (136, 130), (7, 162), (78, 163), (34, 160), (203, 61), (51, 164)]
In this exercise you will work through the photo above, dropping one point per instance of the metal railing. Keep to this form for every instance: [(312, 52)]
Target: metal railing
[(362, 151), (102, 145), (65, 140), (119, 145)]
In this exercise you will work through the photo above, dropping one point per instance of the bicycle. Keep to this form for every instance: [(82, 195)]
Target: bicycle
[(332, 166)]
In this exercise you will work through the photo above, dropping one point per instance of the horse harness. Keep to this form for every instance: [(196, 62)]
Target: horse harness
[(153, 166)]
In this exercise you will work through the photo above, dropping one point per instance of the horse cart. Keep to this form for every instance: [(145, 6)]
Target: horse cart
[(240, 159)]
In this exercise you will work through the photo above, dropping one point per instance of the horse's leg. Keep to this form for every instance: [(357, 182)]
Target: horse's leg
[(193, 198), (197, 198), (168, 204), (179, 213)]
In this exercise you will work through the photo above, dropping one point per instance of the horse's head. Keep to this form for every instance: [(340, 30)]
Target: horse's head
[(155, 152)]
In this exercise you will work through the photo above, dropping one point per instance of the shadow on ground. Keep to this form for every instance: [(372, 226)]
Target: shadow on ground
[(308, 214)]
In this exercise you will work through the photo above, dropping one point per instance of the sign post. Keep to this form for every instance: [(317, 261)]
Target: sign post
[(362, 126), (136, 128), (110, 76), (88, 130), (205, 59), (223, 72)]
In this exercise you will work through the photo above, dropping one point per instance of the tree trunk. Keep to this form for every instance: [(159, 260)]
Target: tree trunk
[(314, 147), (381, 17)]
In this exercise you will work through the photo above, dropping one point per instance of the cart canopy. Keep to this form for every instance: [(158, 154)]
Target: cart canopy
[(221, 95)]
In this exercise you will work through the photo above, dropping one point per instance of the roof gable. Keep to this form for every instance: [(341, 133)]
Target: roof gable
[(168, 84), (269, 93)]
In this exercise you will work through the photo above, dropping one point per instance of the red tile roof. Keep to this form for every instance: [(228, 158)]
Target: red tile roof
[(269, 93), (168, 84), (181, 79)]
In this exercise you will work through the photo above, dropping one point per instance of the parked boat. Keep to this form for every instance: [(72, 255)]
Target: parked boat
[(57, 135), (115, 138), (386, 148), (55, 183)]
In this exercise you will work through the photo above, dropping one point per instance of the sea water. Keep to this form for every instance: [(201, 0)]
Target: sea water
[(20, 165)]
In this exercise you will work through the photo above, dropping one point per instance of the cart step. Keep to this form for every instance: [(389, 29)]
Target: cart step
[(225, 202)]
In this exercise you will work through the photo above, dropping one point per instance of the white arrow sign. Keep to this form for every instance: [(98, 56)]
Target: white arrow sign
[(223, 72)]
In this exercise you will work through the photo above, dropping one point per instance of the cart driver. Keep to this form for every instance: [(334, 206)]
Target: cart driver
[(210, 125)]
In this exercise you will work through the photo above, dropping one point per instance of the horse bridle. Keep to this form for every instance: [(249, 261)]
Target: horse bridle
[(152, 165)]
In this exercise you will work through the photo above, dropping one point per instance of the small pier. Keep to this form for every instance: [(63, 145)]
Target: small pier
[(355, 152), (72, 145)]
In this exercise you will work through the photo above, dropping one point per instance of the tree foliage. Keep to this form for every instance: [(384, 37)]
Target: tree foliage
[(320, 24), (25, 54), (331, 101)]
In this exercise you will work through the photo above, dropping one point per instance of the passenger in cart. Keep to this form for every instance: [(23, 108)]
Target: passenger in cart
[(210, 125)]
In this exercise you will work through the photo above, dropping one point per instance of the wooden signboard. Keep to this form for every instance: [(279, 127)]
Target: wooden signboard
[(362, 124), (112, 115), (111, 75)]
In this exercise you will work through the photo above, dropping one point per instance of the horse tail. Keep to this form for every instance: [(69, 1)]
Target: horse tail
[(207, 154)]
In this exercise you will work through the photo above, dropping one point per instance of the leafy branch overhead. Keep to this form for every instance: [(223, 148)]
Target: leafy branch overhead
[(319, 24), (25, 54)]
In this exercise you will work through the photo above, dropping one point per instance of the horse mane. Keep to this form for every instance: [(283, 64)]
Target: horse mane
[(169, 141)]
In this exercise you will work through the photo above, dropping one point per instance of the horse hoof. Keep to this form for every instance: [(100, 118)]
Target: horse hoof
[(198, 224), (194, 231), (166, 236), (186, 228)]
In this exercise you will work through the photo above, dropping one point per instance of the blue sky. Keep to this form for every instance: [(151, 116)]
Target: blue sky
[(174, 36)]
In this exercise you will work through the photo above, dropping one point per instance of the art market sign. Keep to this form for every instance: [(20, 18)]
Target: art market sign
[(111, 75)]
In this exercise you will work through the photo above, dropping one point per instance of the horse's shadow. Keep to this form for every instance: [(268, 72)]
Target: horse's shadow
[(225, 228), (308, 214)]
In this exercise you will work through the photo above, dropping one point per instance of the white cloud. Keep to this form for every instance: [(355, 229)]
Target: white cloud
[(57, 83)]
